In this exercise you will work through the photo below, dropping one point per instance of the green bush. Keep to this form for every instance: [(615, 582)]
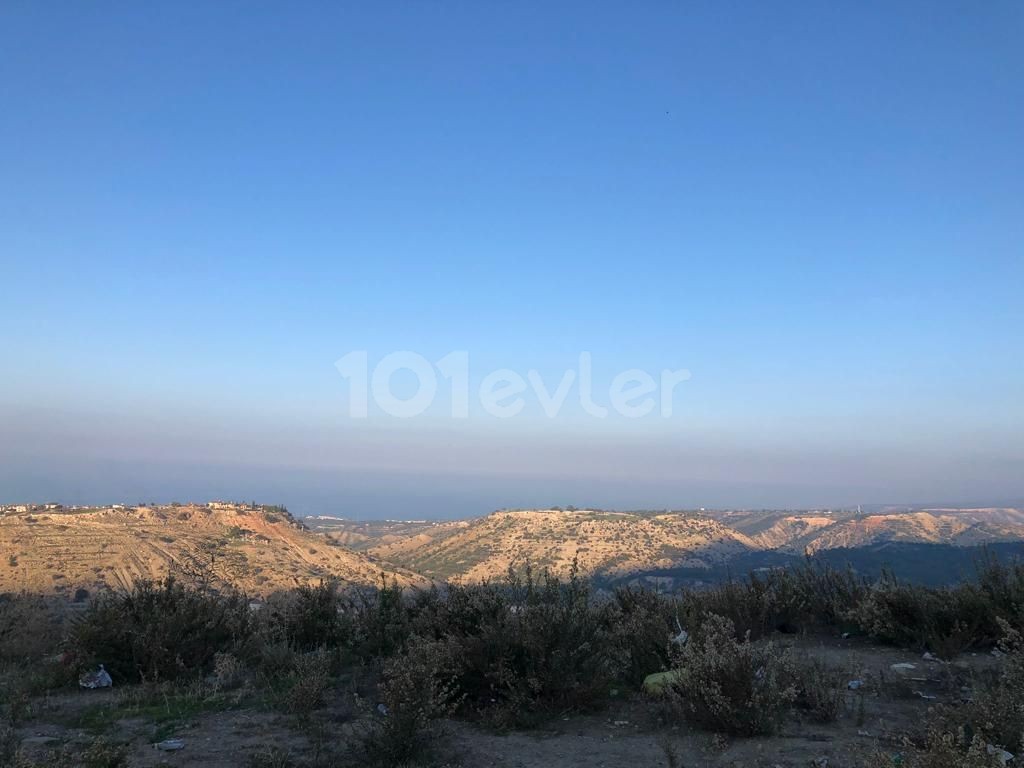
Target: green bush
[(641, 623), (944, 621), (543, 646), (306, 618), (160, 631)]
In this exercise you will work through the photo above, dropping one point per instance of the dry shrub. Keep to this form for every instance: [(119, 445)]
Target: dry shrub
[(820, 689), (228, 672), (30, 627), (997, 712), (417, 691), (308, 683), (732, 686), (940, 750)]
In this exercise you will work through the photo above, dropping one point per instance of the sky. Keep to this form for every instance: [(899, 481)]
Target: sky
[(814, 210)]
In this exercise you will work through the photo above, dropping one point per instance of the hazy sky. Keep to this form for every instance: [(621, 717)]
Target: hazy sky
[(817, 209)]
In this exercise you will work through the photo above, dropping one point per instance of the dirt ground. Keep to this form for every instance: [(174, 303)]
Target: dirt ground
[(630, 732)]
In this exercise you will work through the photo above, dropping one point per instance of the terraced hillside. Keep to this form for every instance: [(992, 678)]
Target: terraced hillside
[(605, 543), (260, 549)]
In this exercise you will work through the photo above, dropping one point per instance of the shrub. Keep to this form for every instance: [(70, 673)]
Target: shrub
[(997, 711), (1003, 586), (941, 749), (416, 692), (819, 689), (730, 685), (307, 684), (382, 622), (539, 646), (641, 625), (782, 599), (305, 618), (30, 627), (160, 631), (944, 621)]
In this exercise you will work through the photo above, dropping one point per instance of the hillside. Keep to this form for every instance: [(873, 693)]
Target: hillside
[(260, 549), (605, 543), (677, 546)]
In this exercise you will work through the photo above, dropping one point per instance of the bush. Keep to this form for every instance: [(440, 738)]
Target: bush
[(306, 618), (732, 686), (416, 692), (943, 621), (783, 599), (820, 689), (1003, 586), (997, 711), (160, 631), (308, 683), (539, 645), (641, 625), (30, 626)]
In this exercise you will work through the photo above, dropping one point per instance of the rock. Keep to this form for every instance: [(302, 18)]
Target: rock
[(170, 745), (903, 668)]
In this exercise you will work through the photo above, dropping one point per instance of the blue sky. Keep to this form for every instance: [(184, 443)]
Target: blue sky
[(817, 209)]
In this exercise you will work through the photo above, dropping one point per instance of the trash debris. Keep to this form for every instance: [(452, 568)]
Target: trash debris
[(929, 656), (681, 638), (820, 762), (903, 668), (854, 685), (846, 635), (925, 696), (1000, 754), (382, 709), (170, 745), (864, 733), (98, 679), (655, 684)]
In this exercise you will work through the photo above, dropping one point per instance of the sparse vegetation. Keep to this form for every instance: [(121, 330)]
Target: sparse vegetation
[(512, 654), (732, 686)]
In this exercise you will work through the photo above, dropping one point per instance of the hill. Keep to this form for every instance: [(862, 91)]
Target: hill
[(260, 549), (605, 543), (685, 547)]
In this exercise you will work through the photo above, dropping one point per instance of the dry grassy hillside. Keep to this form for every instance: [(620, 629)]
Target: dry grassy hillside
[(916, 527), (612, 543), (259, 549), (618, 544)]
